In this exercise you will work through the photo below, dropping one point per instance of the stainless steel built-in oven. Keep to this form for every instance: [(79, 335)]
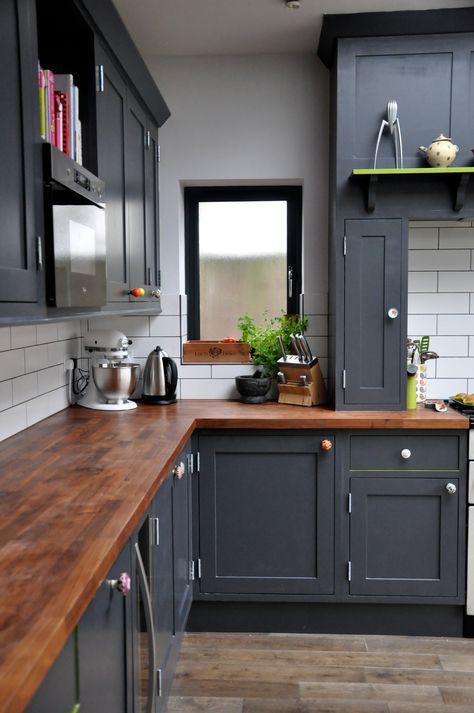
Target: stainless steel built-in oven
[(75, 233)]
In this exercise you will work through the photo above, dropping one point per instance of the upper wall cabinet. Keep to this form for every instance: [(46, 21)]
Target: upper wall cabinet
[(127, 153), (20, 199), (114, 91)]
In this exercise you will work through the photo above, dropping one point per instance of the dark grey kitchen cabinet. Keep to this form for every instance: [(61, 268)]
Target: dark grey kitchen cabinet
[(20, 193), (404, 536), (407, 514), (182, 542), (127, 146), (105, 644), (373, 309), (111, 114), (266, 514), (59, 690)]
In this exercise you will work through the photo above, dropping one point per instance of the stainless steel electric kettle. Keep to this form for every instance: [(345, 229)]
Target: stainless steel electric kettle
[(160, 378)]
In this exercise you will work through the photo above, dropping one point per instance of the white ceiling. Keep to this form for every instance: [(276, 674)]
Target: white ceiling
[(243, 27)]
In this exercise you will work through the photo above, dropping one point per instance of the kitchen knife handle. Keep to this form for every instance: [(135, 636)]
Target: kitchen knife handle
[(290, 282)]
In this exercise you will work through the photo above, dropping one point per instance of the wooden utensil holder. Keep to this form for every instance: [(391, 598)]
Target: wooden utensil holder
[(294, 392)]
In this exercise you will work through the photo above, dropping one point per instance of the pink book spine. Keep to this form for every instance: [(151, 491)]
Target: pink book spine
[(52, 123), (58, 121)]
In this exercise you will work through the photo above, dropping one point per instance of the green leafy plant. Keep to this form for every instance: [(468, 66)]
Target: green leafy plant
[(262, 339)]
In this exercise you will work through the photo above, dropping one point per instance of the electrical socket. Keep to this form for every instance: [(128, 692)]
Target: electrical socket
[(68, 364)]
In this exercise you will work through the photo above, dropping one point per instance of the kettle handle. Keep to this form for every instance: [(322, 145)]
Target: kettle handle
[(171, 387)]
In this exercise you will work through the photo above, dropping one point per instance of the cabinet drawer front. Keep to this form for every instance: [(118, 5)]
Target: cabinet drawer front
[(382, 452)]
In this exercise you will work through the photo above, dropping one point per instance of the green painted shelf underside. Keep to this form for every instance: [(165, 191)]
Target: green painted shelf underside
[(403, 171)]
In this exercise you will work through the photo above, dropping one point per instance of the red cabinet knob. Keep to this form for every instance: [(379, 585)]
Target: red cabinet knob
[(326, 444), (137, 292)]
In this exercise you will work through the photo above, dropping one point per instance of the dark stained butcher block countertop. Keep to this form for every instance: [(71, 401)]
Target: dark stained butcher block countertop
[(73, 488)]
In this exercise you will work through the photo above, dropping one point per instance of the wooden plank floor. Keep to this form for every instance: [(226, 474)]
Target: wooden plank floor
[(312, 673)]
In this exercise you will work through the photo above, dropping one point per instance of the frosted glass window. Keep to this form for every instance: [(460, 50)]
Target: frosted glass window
[(242, 263)]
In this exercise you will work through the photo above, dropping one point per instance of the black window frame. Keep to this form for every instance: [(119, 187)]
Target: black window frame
[(194, 195)]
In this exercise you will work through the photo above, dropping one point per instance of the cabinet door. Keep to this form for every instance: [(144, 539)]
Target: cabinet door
[(136, 195), (111, 114), (162, 575), (182, 551), (266, 514), (372, 285), (404, 536), (152, 255), (58, 692), (19, 130), (105, 646)]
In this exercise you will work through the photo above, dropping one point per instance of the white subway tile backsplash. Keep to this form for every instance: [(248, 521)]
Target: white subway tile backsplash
[(6, 400), (419, 324), (460, 237), (12, 421), (23, 336), (461, 367), (455, 281), (12, 364), (456, 324), (471, 346), (50, 379), (229, 371), (5, 338), (164, 326), (25, 388), (450, 346), (424, 281), (46, 333), (444, 388), (170, 305), (423, 238), (57, 351), (194, 371), (142, 346), (133, 326), (69, 330), (183, 305), (438, 260), (208, 389), (36, 357), (438, 303), (37, 409)]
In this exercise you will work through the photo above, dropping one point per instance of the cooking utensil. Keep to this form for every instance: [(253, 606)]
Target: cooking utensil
[(282, 347), (296, 347), (426, 356), (305, 346), (281, 378)]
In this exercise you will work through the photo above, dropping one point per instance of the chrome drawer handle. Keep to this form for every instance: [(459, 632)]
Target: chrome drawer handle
[(406, 453), (451, 488)]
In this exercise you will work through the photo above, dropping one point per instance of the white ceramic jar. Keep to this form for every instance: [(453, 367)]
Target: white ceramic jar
[(441, 152)]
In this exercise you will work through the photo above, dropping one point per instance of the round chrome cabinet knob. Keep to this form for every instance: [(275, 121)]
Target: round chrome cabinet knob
[(156, 293), (406, 453), (451, 488)]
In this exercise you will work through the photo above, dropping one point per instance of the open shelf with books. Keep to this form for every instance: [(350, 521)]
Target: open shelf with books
[(66, 81)]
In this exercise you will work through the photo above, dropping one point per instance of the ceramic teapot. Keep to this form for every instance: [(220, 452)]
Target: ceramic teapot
[(441, 152)]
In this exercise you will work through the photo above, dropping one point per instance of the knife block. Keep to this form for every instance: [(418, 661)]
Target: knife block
[(293, 392)]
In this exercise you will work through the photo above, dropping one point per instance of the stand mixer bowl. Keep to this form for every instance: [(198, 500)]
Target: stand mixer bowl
[(116, 381)]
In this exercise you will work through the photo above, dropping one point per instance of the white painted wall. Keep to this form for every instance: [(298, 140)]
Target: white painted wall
[(256, 120)]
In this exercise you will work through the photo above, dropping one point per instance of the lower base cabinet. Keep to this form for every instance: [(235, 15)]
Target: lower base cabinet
[(59, 692), (266, 514), (105, 644), (404, 536)]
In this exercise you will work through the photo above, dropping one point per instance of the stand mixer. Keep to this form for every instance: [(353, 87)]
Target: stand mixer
[(112, 378)]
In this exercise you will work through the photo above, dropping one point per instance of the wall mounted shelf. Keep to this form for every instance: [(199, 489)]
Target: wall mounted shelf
[(373, 174)]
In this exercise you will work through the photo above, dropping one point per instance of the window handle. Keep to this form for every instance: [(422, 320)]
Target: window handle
[(290, 282)]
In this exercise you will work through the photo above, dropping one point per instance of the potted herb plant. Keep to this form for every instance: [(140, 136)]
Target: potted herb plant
[(264, 351)]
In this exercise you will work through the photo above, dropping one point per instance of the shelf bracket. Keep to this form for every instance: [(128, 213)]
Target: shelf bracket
[(461, 191), (372, 193)]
